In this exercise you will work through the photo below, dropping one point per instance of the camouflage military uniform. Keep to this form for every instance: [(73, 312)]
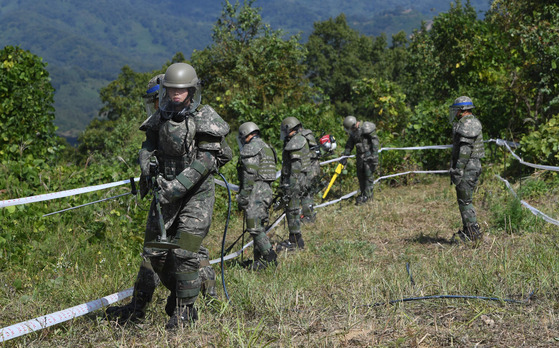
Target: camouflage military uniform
[(366, 144), (256, 174), (295, 167), (189, 148), (314, 177), (467, 150)]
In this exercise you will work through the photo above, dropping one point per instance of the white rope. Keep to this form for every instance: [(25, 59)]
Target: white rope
[(55, 195), (36, 324), (528, 206)]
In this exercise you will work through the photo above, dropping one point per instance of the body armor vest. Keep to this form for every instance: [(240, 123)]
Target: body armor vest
[(468, 129), (267, 168), (175, 146)]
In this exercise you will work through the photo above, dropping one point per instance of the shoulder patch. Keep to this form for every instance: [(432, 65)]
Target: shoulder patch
[(308, 134), (368, 127), (469, 126), (251, 149), (151, 122), (296, 143), (208, 121)]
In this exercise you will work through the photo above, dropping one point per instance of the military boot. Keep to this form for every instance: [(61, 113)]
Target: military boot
[(309, 219), (183, 315), (270, 260), (134, 311), (473, 232), (361, 199), (294, 243)]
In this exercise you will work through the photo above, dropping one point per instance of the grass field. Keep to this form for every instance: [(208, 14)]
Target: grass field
[(335, 292)]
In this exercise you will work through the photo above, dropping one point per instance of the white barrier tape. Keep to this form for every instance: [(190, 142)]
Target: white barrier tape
[(29, 326), (349, 195), (55, 195), (446, 171), (428, 147), (538, 166), (528, 206), (336, 159)]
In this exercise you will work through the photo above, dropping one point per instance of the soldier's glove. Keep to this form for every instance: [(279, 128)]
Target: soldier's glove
[(145, 185), (242, 200), (456, 176), (170, 190), (343, 161)]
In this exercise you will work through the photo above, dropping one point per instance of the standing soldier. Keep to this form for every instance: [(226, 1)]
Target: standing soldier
[(362, 136), (467, 151), (295, 166), (147, 280), (189, 146), (257, 171)]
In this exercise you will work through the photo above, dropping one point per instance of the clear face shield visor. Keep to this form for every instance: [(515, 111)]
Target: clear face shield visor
[(452, 114), (283, 133), (191, 102), (151, 105)]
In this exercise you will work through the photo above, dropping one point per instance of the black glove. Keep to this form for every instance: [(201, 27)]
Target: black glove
[(343, 161), (145, 185)]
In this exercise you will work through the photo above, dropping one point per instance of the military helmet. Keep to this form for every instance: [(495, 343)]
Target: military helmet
[(180, 75), (463, 103), (153, 87), (247, 128), (349, 122), (287, 125), (460, 104), (152, 94)]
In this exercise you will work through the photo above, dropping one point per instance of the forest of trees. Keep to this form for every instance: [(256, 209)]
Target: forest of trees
[(85, 45), (506, 62)]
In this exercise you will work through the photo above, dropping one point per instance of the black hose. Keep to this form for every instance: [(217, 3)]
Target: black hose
[(224, 236), (450, 296)]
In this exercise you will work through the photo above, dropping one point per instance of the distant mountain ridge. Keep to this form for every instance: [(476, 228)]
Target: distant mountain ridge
[(87, 43)]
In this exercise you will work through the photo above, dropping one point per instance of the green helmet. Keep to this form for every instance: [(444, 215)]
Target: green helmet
[(287, 125), (247, 128), (244, 130), (180, 75), (349, 122), (460, 104)]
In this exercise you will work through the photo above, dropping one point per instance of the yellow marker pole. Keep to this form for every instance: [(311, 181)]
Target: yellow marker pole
[(337, 172)]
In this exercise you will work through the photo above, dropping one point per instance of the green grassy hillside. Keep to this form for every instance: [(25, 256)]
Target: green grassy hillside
[(356, 257)]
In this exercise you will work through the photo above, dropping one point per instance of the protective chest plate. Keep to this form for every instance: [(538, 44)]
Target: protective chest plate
[(176, 138)]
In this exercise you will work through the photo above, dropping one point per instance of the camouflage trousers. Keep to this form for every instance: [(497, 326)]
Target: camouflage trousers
[(256, 214), (147, 280), (187, 224), (465, 191), (365, 174)]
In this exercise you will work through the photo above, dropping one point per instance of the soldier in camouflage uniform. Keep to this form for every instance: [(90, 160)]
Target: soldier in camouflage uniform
[(314, 177), (256, 171), (362, 136), (189, 145), (296, 164), (147, 280), (467, 151)]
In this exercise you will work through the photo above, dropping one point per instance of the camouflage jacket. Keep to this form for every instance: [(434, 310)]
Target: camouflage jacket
[(296, 159), (257, 163), (365, 141), (467, 141)]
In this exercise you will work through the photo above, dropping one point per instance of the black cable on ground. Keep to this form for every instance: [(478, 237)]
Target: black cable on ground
[(224, 236), (470, 297)]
